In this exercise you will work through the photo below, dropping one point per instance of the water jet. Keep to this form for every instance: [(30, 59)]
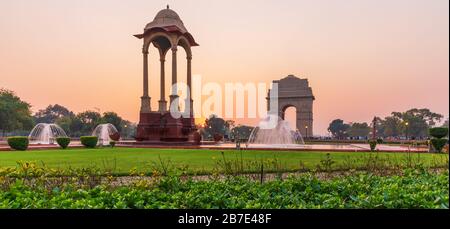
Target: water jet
[(46, 133)]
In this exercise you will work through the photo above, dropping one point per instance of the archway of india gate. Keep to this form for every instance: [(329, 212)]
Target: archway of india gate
[(167, 33), (293, 92)]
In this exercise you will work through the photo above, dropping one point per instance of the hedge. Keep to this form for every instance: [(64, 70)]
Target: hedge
[(438, 132), (372, 144), (89, 141), (18, 142), (413, 189), (438, 144), (112, 143), (63, 141)]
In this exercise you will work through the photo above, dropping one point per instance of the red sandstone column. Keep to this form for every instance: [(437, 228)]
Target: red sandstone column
[(162, 101), (189, 84), (145, 99), (174, 95)]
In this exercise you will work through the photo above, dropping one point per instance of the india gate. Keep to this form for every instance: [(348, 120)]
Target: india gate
[(295, 92), (166, 32)]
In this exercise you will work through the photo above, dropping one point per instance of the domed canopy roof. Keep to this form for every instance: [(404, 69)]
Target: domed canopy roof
[(167, 13), (166, 18), (169, 21)]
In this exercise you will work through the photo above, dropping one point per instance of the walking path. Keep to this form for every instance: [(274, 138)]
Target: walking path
[(228, 146)]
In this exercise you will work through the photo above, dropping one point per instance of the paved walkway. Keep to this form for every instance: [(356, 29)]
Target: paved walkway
[(322, 147), (293, 147)]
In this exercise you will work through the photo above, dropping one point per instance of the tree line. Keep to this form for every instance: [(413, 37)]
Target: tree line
[(411, 124), (16, 118), (216, 126)]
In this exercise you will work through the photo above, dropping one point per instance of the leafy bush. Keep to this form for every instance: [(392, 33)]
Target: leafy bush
[(89, 141), (413, 189), (63, 141), (218, 137), (197, 138), (18, 142), (438, 141), (372, 144), (112, 143), (439, 144), (438, 132)]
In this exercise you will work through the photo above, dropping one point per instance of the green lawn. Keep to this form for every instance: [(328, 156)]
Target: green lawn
[(122, 160)]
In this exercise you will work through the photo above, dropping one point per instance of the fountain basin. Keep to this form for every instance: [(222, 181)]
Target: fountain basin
[(46, 133), (106, 133)]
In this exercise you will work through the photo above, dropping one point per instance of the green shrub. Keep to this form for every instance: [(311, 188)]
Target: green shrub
[(112, 143), (217, 137), (411, 190), (18, 143), (89, 141), (373, 145), (63, 141), (438, 132), (438, 144)]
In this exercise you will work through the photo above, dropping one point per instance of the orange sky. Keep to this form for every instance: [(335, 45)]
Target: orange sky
[(362, 58)]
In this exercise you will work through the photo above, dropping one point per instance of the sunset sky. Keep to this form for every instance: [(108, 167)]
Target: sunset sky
[(362, 58)]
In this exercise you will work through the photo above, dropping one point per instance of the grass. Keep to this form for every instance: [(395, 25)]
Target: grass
[(120, 161)]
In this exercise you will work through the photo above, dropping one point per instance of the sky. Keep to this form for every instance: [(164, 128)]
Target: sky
[(363, 58)]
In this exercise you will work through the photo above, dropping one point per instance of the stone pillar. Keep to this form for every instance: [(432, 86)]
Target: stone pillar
[(189, 84), (310, 119), (305, 123), (162, 101), (310, 124), (145, 99), (174, 95)]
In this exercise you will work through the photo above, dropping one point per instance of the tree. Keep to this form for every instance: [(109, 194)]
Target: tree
[(128, 130), (15, 114), (65, 123), (412, 123), (430, 117), (358, 130), (85, 122), (392, 126), (416, 122), (215, 125), (52, 113), (56, 114), (230, 123), (113, 118), (445, 123), (241, 132), (338, 128)]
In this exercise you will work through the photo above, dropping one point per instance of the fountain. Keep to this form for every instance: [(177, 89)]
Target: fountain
[(274, 132), (46, 133), (106, 133)]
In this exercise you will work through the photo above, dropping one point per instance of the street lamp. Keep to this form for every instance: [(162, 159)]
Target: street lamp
[(306, 128), (406, 124)]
